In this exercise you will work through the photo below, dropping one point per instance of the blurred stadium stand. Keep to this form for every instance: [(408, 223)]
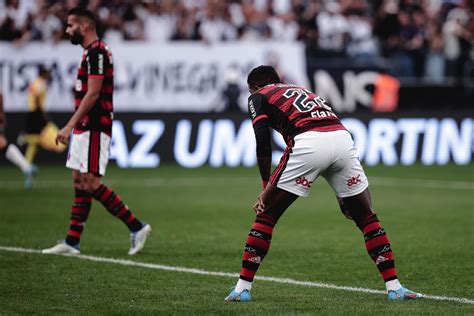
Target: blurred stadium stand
[(430, 39)]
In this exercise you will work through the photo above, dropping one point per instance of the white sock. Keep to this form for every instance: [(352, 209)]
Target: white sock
[(16, 157), (243, 285), (393, 285)]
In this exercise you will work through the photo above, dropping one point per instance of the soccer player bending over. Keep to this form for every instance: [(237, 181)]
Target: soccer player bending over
[(91, 126), (317, 144)]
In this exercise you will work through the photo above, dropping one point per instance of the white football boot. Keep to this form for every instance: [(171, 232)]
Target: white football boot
[(138, 239), (62, 248)]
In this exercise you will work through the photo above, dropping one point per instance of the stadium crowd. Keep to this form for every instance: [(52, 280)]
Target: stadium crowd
[(424, 38)]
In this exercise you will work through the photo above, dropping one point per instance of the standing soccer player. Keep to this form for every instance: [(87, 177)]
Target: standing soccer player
[(317, 144), (91, 126), (39, 129)]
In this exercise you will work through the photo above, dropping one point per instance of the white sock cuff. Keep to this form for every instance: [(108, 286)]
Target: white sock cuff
[(243, 285), (393, 285)]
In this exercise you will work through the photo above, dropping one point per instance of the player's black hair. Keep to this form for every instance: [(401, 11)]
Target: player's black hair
[(84, 13), (263, 75)]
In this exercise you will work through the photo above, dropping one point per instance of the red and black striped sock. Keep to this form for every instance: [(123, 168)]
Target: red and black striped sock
[(115, 206), (257, 245), (79, 213), (378, 247)]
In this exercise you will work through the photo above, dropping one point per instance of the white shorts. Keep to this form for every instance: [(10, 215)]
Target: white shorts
[(330, 154), (89, 152)]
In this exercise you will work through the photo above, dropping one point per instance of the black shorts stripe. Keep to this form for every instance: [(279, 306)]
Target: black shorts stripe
[(276, 175), (94, 152)]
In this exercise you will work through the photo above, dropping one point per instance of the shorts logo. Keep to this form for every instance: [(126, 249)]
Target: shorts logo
[(353, 181), (304, 182)]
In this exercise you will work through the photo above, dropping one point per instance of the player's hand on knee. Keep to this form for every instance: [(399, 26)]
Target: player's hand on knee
[(259, 206)]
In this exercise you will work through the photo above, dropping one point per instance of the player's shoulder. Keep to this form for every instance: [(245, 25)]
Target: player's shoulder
[(99, 47), (257, 97), (274, 87)]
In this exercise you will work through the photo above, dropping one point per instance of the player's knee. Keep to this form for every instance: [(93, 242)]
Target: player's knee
[(365, 219), (90, 183), (343, 207), (77, 182), (90, 187), (268, 217)]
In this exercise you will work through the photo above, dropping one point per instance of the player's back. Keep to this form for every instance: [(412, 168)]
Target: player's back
[(292, 110)]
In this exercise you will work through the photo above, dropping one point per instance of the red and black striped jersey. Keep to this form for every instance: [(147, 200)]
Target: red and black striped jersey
[(291, 110), (96, 62)]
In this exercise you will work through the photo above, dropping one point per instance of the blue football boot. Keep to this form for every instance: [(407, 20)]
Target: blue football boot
[(29, 175), (403, 294), (243, 296)]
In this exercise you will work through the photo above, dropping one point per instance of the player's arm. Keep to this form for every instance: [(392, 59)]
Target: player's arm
[(94, 85), (261, 128)]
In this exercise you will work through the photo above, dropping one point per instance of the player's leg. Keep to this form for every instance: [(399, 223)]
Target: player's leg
[(97, 160), (293, 177), (96, 163), (79, 214), (276, 201), (348, 179), (32, 142), (114, 204), (111, 201), (359, 209), (14, 155)]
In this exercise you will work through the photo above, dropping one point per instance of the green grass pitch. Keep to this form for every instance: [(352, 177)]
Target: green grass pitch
[(200, 219)]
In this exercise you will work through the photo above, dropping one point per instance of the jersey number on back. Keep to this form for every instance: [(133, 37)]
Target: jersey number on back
[(303, 102)]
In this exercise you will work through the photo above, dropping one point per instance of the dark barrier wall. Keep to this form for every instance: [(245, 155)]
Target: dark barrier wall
[(193, 140), (349, 88)]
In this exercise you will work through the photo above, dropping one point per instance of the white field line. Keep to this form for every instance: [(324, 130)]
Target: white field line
[(233, 275), (197, 181)]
